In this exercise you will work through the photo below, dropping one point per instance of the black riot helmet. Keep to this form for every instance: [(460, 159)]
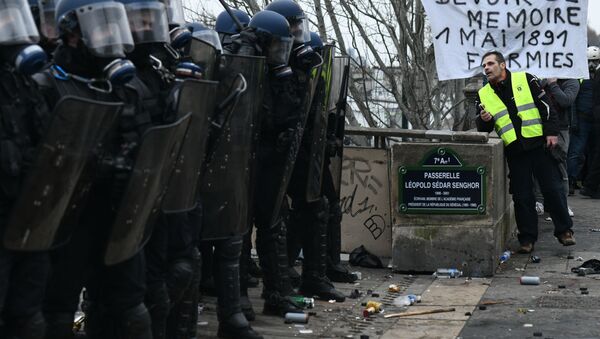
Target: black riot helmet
[(18, 35), (315, 42), (295, 16), (104, 33), (273, 33), (225, 25)]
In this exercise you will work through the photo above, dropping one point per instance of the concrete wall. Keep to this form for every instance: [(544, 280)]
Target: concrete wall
[(423, 242), (365, 200)]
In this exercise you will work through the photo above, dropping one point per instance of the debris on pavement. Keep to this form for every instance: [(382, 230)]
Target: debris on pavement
[(408, 314), (529, 280)]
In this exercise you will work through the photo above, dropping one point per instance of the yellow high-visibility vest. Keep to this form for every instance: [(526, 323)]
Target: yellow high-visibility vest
[(530, 116)]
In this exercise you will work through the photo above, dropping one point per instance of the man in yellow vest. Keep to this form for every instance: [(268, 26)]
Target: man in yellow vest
[(516, 107)]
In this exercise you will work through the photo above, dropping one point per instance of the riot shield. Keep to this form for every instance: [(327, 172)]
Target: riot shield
[(147, 185), (319, 116), (204, 55), (198, 98), (337, 116), (73, 135), (296, 142), (226, 186)]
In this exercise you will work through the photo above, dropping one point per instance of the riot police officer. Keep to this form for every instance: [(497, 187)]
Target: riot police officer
[(226, 26), (311, 216), (24, 117), (43, 14), (90, 64), (268, 34)]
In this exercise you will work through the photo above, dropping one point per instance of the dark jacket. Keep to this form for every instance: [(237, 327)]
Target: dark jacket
[(562, 94), (548, 114)]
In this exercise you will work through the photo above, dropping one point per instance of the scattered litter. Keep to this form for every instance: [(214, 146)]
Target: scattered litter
[(312, 314), (530, 310), (298, 326), (300, 318), (375, 295), (583, 288), (594, 229), (535, 259), (522, 310), (393, 288), (332, 301), (372, 307), (504, 257), (579, 259), (468, 314), (585, 292), (357, 274), (306, 331), (447, 273), (492, 302), (529, 280), (519, 269), (570, 257), (483, 308), (562, 286), (406, 300), (354, 294), (527, 325), (591, 266), (369, 292), (202, 323), (408, 314), (537, 334)]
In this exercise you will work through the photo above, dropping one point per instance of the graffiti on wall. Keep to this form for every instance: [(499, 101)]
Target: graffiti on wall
[(364, 194)]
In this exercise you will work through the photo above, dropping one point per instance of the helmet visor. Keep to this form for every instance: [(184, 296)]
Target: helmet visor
[(47, 19), (175, 12), (16, 23), (148, 22), (104, 29), (210, 37), (300, 31), (279, 51)]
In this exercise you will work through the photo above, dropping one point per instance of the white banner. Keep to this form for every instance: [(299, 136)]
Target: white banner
[(547, 38)]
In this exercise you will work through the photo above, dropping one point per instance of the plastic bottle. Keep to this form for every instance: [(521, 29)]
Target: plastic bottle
[(447, 273), (504, 257), (403, 300)]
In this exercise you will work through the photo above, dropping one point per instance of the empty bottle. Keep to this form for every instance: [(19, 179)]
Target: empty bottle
[(504, 257), (447, 273)]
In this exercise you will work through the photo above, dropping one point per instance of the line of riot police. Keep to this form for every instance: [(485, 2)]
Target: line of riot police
[(132, 141)]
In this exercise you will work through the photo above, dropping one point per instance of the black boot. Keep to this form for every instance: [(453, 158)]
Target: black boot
[(207, 284), (335, 270), (272, 253), (232, 322), (247, 308), (314, 281), (236, 327)]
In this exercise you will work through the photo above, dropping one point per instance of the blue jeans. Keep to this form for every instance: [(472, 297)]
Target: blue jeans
[(577, 145)]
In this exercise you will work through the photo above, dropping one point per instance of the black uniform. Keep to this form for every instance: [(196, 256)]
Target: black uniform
[(24, 115), (115, 293)]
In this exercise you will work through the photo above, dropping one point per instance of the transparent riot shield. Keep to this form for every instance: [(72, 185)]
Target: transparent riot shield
[(337, 116), (319, 116), (226, 187), (198, 98), (296, 141), (73, 136), (206, 56), (148, 182)]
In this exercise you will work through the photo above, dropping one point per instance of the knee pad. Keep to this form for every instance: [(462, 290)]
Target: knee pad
[(179, 278)]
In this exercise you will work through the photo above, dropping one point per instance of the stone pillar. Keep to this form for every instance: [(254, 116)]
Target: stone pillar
[(424, 240)]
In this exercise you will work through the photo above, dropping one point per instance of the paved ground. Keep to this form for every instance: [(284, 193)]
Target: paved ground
[(498, 307)]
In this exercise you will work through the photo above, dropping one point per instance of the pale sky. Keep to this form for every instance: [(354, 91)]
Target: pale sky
[(594, 14)]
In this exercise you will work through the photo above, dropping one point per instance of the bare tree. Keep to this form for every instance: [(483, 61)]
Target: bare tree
[(395, 61)]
